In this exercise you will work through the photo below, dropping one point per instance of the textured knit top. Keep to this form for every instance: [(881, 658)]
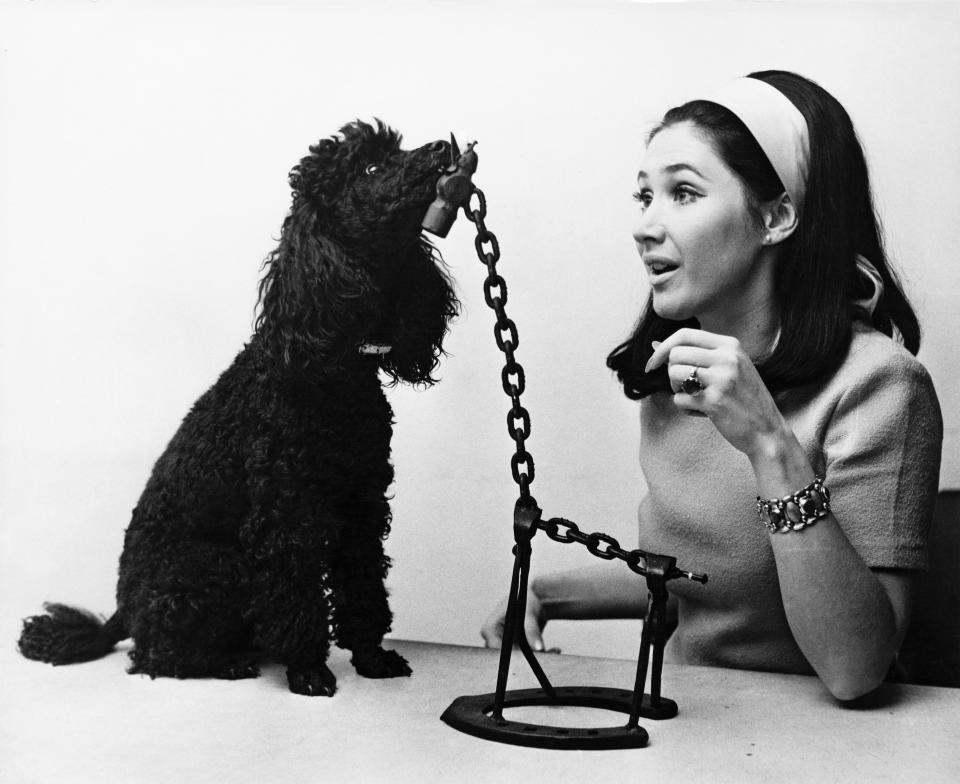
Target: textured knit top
[(874, 431)]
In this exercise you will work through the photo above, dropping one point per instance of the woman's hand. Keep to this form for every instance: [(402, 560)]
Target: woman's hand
[(533, 622), (600, 590), (733, 394)]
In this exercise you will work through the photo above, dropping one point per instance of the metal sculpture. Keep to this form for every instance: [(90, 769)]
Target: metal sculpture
[(482, 715)]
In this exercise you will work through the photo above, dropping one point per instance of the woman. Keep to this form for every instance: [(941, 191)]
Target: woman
[(789, 438)]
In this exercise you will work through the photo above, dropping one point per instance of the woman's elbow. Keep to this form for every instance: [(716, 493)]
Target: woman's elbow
[(851, 685)]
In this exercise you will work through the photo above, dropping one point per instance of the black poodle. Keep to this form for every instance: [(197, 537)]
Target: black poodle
[(260, 532)]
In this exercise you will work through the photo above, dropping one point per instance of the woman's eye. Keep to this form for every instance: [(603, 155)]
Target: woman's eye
[(685, 195), (373, 168), (644, 197)]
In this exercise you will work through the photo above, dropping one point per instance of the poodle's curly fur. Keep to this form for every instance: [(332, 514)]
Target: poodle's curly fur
[(260, 532)]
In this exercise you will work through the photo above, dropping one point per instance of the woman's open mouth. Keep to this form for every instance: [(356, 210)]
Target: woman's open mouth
[(660, 270)]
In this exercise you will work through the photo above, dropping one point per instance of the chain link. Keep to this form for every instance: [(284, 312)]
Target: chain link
[(567, 532), (505, 333)]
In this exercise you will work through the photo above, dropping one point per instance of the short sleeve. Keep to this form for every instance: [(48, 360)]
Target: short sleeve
[(882, 455)]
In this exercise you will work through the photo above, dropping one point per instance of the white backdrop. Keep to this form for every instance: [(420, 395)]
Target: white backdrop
[(144, 149)]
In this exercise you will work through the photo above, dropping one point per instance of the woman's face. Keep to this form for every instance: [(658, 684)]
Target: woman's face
[(696, 236)]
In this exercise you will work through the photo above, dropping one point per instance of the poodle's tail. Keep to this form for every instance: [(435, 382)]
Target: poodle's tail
[(66, 635)]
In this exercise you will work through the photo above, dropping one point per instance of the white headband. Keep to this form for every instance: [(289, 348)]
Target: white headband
[(781, 131), (776, 124)]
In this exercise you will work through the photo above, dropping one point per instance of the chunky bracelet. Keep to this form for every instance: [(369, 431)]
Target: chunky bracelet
[(796, 511)]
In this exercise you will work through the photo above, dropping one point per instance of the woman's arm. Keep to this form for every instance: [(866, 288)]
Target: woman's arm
[(848, 620), (592, 592)]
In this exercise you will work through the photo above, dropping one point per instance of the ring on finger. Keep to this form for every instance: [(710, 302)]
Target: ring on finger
[(692, 385)]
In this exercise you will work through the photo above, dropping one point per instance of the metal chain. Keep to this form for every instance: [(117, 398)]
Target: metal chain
[(505, 333), (518, 418), (594, 543)]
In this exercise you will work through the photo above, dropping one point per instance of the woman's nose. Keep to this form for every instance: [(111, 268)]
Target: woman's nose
[(648, 227)]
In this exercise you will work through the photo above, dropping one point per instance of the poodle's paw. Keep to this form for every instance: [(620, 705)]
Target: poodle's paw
[(375, 662), (315, 682), (237, 670)]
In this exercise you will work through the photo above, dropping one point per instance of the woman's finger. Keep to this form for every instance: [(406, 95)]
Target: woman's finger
[(492, 635), (534, 633), (683, 337), (689, 404), (692, 355), (492, 629), (680, 373)]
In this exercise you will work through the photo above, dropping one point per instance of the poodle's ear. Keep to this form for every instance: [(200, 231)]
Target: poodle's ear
[(423, 304), (313, 309), (317, 178)]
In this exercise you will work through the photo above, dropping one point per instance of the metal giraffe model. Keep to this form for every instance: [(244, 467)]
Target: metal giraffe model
[(482, 715)]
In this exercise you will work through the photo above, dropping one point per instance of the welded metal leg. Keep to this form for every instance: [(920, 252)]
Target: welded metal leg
[(525, 518), (643, 659), (653, 706), (659, 643), (506, 644), (522, 640), (516, 610)]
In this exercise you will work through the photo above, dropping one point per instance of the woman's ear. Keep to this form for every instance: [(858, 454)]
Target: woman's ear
[(780, 220)]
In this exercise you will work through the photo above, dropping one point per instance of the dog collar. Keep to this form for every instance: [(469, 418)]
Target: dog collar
[(378, 349)]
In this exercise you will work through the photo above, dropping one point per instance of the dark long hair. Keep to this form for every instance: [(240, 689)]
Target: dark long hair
[(816, 277)]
